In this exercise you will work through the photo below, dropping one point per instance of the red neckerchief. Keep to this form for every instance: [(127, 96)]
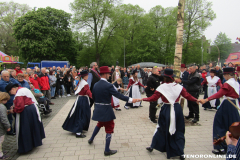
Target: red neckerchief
[(96, 72)]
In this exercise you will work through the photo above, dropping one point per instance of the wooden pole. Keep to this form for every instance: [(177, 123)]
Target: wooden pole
[(179, 40)]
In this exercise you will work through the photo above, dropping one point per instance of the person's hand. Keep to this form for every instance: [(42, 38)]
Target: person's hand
[(145, 86), (42, 95), (178, 80), (11, 111), (202, 101), (134, 100), (152, 89), (9, 129), (230, 140)]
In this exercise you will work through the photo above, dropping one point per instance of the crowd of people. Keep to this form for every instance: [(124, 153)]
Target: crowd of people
[(22, 90)]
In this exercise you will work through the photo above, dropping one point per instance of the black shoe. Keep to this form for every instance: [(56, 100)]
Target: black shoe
[(50, 110), (140, 106), (195, 120), (182, 157), (90, 141), (46, 112), (217, 151), (11, 133), (154, 121), (80, 136), (117, 109), (111, 152), (205, 108), (189, 116), (149, 149), (53, 98)]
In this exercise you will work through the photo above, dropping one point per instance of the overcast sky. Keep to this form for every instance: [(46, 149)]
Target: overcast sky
[(227, 12)]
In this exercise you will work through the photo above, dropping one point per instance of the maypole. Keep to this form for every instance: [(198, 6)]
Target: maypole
[(179, 39)]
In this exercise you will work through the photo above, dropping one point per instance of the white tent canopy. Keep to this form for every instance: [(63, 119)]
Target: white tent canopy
[(148, 64)]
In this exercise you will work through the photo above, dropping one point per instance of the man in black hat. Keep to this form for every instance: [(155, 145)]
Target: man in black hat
[(152, 83), (193, 86)]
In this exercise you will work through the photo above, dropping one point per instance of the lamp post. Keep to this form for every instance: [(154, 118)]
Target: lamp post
[(124, 52)]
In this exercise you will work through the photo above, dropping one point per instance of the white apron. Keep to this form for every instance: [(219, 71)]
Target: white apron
[(25, 92), (135, 92), (235, 85), (212, 88), (171, 92), (115, 100)]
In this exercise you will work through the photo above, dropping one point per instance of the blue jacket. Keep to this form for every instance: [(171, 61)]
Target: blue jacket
[(24, 83), (102, 93), (3, 84), (125, 80), (185, 77)]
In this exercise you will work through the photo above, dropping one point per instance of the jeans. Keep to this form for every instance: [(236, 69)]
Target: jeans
[(53, 89), (63, 90)]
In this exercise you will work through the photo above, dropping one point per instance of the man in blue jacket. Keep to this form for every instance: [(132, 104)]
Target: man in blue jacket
[(5, 80), (184, 74), (103, 112)]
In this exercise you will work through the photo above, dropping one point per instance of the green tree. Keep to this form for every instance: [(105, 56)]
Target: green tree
[(198, 16), (9, 12), (94, 15), (223, 43), (44, 34)]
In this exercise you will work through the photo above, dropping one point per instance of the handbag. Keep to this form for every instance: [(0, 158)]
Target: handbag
[(54, 84)]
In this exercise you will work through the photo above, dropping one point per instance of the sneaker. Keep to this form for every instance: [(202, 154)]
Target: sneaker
[(126, 107), (59, 96), (64, 96), (68, 95)]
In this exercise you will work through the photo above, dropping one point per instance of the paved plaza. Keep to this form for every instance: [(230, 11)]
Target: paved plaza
[(132, 134)]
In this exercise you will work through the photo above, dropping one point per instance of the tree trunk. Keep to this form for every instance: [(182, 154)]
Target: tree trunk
[(96, 41), (179, 40)]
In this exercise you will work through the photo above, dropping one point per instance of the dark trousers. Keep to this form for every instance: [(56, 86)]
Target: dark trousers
[(44, 101), (152, 109), (91, 102), (10, 118), (67, 87), (193, 106)]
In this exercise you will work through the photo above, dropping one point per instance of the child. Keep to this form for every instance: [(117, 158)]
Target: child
[(134, 92), (115, 101), (125, 79), (5, 125), (75, 83)]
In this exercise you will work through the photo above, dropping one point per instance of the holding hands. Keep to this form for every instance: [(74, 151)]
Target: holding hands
[(134, 100), (178, 80), (202, 101)]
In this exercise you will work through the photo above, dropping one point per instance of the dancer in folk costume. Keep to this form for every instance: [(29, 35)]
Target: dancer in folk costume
[(169, 134), (212, 82), (227, 113), (115, 101), (133, 90), (29, 127), (103, 112), (79, 116)]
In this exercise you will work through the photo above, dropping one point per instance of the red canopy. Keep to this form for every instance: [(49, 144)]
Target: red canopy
[(234, 58)]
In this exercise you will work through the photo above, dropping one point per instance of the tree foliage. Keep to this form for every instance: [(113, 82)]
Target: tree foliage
[(145, 36), (223, 43), (9, 12), (44, 34)]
